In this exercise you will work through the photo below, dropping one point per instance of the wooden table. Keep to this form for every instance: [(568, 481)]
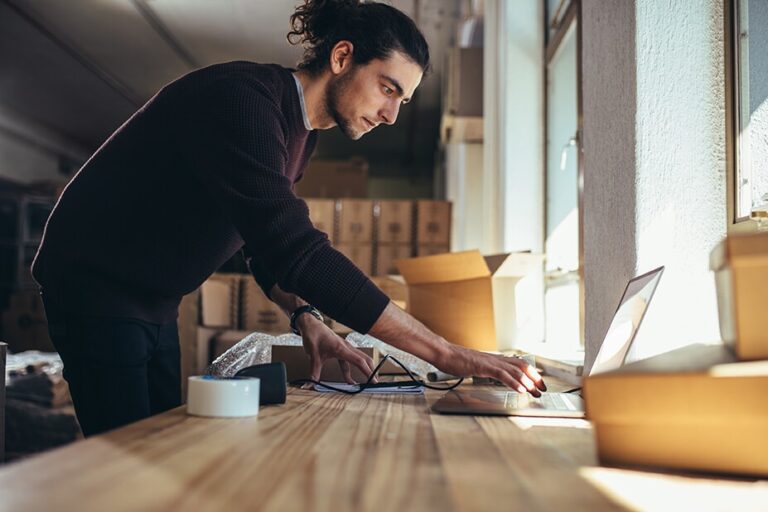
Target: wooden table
[(367, 452)]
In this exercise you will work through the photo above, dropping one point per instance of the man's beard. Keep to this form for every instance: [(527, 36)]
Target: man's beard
[(335, 94)]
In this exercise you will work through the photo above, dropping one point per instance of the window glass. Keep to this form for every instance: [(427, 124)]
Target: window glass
[(562, 231), (752, 69), (562, 294)]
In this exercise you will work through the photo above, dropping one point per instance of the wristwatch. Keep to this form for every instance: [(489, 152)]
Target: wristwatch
[(306, 308)]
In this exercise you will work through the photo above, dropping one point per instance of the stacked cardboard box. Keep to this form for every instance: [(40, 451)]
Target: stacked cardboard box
[(695, 408), (322, 212), (740, 264), (700, 408), (374, 234), (220, 301), (235, 301), (258, 312), (433, 227), (355, 235), (394, 230), (334, 178)]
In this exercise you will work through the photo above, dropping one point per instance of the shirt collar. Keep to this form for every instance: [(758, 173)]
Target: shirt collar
[(300, 90)]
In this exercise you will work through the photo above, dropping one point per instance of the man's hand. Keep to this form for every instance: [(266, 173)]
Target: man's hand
[(322, 344), (401, 330), (512, 371)]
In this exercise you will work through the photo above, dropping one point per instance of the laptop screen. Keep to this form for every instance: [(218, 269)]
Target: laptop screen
[(615, 349)]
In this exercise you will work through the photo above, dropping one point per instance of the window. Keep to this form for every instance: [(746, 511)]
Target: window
[(747, 110), (562, 178)]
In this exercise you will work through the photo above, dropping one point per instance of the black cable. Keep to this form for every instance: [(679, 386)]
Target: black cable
[(414, 382)]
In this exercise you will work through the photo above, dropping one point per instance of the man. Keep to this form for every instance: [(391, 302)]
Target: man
[(206, 168)]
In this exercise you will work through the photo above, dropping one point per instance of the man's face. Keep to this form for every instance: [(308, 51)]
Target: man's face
[(364, 96)]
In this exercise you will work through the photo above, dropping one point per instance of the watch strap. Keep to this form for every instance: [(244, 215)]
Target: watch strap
[(306, 308)]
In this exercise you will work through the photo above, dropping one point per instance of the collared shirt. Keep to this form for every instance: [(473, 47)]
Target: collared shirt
[(300, 89)]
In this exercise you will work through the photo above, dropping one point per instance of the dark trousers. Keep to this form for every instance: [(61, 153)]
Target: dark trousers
[(119, 370)]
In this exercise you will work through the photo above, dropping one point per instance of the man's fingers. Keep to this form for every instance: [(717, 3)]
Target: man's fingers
[(529, 370), (526, 381), (363, 363), (316, 367), (366, 365), (368, 362), (508, 380), (516, 379), (346, 371)]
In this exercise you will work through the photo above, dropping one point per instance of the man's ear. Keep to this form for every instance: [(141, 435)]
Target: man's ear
[(341, 57)]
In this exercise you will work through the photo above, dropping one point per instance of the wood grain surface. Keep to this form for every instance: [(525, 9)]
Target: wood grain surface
[(319, 452)]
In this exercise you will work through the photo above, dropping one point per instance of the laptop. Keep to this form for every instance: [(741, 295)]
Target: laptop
[(615, 351)]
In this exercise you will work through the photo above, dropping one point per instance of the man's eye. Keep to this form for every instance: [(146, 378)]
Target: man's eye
[(388, 91)]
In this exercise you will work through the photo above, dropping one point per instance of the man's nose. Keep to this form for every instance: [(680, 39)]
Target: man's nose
[(389, 113)]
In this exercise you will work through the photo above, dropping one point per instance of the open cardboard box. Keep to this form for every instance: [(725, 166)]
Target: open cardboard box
[(475, 301)]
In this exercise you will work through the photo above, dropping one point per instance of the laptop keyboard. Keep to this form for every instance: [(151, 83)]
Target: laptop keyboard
[(551, 401)]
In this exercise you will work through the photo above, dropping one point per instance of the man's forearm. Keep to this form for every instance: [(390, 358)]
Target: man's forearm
[(401, 330), (288, 302), (394, 326)]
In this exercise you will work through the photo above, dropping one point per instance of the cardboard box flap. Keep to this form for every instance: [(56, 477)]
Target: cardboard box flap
[(443, 268), (513, 264), (747, 247)]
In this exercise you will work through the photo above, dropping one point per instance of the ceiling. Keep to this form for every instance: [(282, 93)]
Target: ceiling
[(81, 67)]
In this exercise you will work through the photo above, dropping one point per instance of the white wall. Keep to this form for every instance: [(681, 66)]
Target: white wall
[(654, 153), (30, 152)]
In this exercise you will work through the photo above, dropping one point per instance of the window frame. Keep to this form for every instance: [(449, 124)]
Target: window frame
[(572, 14), (732, 42)]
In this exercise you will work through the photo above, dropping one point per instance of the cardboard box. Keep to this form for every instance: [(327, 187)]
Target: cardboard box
[(334, 178), (387, 254), (297, 364), (220, 301), (355, 220), (740, 263), (394, 287), (258, 312), (223, 341), (433, 222), (361, 255), (431, 249), (394, 221), (468, 299), (202, 349), (322, 212), (694, 408)]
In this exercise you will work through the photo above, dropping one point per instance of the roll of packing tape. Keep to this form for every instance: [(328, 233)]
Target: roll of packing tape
[(220, 397)]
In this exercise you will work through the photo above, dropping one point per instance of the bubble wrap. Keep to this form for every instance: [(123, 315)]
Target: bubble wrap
[(256, 348), (414, 364), (33, 361)]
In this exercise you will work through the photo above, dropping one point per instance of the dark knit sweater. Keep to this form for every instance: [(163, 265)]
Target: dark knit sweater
[(206, 167)]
